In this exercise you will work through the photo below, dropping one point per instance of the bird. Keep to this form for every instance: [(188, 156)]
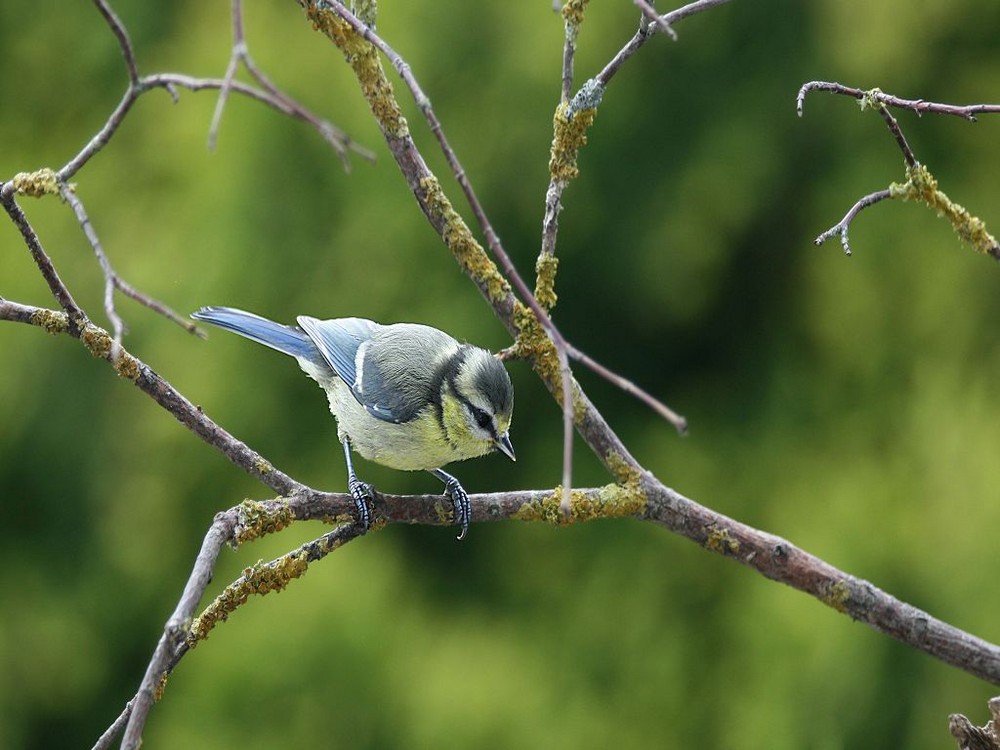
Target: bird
[(405, 395)]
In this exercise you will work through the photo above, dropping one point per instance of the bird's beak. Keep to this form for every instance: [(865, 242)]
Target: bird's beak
[(503, 445)]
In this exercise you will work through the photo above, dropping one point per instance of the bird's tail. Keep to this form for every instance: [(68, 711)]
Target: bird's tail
[(285, 339)]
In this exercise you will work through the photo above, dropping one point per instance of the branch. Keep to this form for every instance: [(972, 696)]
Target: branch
[(641, 496), (841, 227), (340, 141), (47, 181), (920, 184), (549, 356), (75, 316), (647, 500), (646, 31), (100, 343), (651, 17), (966, 112), (637, 494)]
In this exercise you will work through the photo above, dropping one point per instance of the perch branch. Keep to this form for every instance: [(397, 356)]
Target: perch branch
[(771, 556)]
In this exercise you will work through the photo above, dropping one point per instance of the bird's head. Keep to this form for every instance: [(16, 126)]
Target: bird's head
[(478, 404)]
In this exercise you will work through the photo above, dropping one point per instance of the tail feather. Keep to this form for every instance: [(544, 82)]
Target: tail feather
[(285, 339)]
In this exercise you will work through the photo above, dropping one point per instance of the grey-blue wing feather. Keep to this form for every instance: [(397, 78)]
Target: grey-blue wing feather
[(338, 341)]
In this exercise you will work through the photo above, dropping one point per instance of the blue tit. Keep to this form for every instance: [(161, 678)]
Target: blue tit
[(407, 396)]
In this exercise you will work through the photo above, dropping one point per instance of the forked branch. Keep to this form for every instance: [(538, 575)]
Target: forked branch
[(920, 184)]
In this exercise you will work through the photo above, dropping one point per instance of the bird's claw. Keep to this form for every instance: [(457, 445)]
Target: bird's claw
[(463, 508), (362, 494)]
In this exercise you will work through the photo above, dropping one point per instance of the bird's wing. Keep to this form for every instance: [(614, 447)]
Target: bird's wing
[(401, 370), (391, 370), (338, 341)]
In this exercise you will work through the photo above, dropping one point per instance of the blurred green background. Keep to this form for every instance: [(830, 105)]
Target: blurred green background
[(848, 404)]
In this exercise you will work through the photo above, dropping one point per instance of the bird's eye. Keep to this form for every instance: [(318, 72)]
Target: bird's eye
[(482, 418)]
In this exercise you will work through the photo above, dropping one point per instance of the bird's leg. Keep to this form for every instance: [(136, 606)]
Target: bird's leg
[(459, 498), (360, 491)]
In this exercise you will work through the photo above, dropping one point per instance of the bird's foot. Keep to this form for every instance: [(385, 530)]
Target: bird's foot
[(362, 494), (460, 500)]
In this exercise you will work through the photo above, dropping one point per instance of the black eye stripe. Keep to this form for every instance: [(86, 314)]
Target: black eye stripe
[(484, 420)]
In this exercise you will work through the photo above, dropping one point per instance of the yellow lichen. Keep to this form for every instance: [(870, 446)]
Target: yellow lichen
[(100, 344), (97, 340), (258, 519), (534, 345), (366, 11), (623, 471), (545, 280), (870, 100), (611, 501), (363, 58), (720, 540), (569, 134), (836, 596), (572, 12), (127, 366), (922, 186), (258, 579), (51, 321), (456, 234), (161, 685), (44, 181)]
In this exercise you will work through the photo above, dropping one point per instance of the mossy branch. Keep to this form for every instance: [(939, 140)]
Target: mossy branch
[(920, 184)]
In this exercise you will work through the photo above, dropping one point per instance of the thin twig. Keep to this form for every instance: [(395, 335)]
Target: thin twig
[(109, 735), (646, 32), (99, 342), (966, 112), (76, 318), (340, 141), (570, 35), (236, 54), (121, 34), (920, 184), (679, 422), (117, 323), (842, 226), (137, 86), (655, 19), (893, 125), (113, 281)]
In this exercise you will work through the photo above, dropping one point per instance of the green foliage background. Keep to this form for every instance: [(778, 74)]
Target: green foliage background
[(847, 404)]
